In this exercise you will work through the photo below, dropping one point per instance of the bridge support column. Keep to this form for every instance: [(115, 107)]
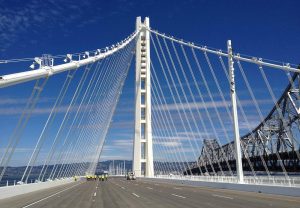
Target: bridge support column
[(237, 144), (143, 146)]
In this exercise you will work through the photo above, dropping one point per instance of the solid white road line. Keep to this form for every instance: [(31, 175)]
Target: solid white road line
[(183, 197), (220, 196), (50, 196), (149, 188), (135, 195)]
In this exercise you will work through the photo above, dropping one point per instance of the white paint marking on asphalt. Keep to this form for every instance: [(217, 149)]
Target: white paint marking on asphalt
[(122, 187), (225, 197), (50, 196), (177, 188), (149, 188), (135, 195), (95, 194), (183, 197)]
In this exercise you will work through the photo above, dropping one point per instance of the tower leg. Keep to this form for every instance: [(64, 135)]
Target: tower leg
[(143, 145)]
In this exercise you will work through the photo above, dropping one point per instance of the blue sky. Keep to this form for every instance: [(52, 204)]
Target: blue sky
[(268, 29)]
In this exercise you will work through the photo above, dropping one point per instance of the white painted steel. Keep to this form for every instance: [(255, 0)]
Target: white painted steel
[(143, 73), (148, 128), (254, 60), (237, 145), (136, 165), (17, 78)]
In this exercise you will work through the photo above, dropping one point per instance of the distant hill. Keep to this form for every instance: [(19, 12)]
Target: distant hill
[(15, 173)]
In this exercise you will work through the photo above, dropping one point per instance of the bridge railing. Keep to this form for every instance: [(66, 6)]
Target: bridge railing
[(262, 180)]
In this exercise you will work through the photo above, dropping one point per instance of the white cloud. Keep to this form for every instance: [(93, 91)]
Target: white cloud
[(37, 16), (115, 157), (17, 150), (17, 110), (18, 101), (208, 105), (167, 143)]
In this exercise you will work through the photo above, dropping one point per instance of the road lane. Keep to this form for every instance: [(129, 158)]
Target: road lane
[(118, 192), (22, 200), (205, 197)]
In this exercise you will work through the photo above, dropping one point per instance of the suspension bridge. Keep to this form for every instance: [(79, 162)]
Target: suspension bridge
[(205, 119)]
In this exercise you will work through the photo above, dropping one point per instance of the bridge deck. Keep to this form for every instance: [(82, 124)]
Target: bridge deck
[(117, 192)]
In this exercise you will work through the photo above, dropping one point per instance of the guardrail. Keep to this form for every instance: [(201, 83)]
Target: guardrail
[(258, 180), (18, 189)]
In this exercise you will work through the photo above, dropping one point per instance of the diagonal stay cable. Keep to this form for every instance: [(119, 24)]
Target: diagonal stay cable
[(48, 125), (22, 123), (74, 98)]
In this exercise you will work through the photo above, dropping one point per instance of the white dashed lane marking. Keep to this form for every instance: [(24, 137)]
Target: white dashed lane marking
[(136, 195), (183, 197), (220, 196)]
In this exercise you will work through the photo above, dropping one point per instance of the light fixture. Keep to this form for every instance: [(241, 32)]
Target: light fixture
[(68, 57), (86, 54), (38, 60), (97, 52), (32, 66)]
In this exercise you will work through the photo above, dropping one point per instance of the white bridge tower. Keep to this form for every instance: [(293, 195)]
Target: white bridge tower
[(143, 146)]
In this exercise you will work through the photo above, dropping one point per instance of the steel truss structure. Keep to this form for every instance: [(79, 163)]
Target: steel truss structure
[(271, 146)]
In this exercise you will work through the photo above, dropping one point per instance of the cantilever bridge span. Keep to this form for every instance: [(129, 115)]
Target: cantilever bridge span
[(271, 146)]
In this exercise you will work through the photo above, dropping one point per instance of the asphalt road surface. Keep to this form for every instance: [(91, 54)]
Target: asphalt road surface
[(117, 192)]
